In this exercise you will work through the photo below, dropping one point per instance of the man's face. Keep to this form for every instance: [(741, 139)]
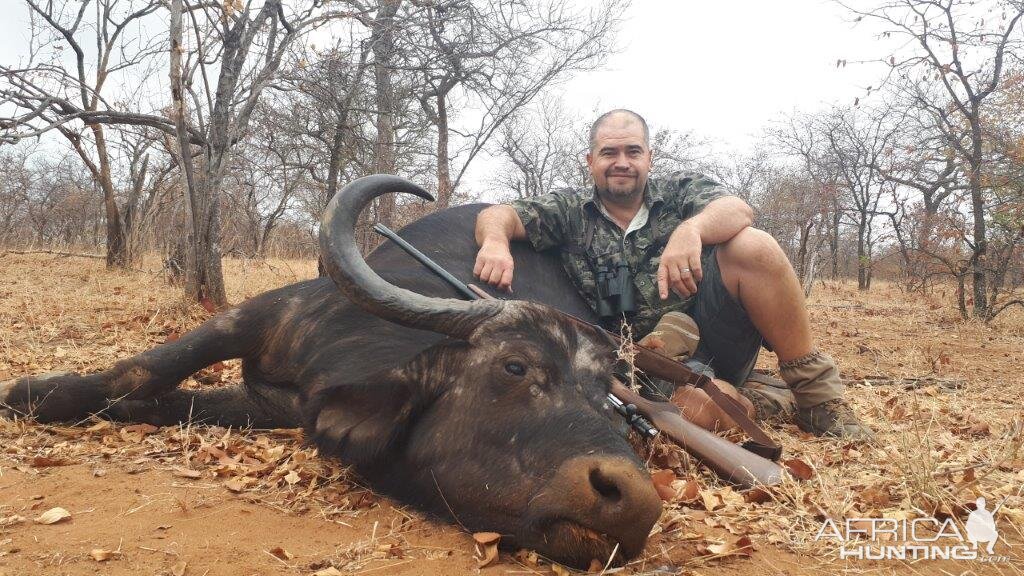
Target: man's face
[(620, 161)]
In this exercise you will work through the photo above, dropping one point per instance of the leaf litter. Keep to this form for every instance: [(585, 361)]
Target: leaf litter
[(943, 446)]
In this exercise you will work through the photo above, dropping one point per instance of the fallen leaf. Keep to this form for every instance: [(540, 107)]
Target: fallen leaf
[(485, 538), (742, 546), (101, 555), (292, 478), (527, 557), (239, 483), (101, 426), (53, 516), (711, 500), (799, 469), (757, 496), (486, 549), (560, 570), (179, 569), (662, 480), (876, 496), (329, 571), (137, 432), (140, 428), (281, 554), (690, 491), (186, 473), (47, 462)]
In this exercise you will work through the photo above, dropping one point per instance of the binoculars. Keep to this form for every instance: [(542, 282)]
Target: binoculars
[(616, 296)]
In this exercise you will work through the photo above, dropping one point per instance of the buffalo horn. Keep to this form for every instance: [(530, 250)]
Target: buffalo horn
[(348, 269)]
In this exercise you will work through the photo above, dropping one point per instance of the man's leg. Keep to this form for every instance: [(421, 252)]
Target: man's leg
[(756, 272), (730, 343)]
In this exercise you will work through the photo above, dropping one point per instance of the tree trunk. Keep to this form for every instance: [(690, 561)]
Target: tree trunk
[(444, 178), (382, 39), (833, 245), (801, 254), (204, 279), (981, 309), (862, 279), (117, 256)]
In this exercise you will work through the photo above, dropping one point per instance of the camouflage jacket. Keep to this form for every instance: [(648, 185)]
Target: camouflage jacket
[(573, 222)]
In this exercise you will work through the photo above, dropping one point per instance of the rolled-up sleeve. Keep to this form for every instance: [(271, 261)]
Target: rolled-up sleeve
[(545, 219)]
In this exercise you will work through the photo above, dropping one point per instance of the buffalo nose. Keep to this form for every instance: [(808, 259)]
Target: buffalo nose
[(610, 495)]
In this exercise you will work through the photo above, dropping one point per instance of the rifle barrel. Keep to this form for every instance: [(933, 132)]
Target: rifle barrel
[(425, 260)]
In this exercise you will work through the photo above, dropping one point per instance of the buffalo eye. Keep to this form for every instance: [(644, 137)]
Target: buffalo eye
[(515, 368)]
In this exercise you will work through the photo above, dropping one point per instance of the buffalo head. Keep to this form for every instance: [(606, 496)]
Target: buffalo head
[(503, 427)]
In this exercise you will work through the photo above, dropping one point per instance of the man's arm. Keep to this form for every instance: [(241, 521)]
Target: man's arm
[(496, 226), (718, 222)]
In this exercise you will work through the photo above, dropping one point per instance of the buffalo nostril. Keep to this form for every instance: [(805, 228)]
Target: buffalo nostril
[(604, 486)]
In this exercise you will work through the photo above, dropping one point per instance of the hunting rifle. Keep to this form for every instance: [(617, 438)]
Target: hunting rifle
[(746, 466)]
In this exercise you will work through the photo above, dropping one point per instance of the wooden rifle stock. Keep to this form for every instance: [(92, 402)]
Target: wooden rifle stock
[(729, 461)]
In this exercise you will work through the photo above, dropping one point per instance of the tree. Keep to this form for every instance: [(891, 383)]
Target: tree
[(961, 47), (73, 97), (542, 148), (243, 46), (492, 58)]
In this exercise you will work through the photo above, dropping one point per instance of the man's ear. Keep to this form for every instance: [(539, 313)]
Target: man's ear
[(362, 423)]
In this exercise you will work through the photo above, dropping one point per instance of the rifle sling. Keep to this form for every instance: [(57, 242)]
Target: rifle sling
[(655, 364)]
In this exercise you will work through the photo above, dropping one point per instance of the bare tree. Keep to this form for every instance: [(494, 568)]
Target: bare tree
[(962, 47), (243, 46), (492, 58), (542, 148), (72, 97)]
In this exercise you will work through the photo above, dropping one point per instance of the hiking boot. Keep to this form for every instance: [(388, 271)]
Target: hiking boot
[(833, 418), (772, 399)]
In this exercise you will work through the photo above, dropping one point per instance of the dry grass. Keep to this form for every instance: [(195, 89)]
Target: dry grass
[(943, 394)]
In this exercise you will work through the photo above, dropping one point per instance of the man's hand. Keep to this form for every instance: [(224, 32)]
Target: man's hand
[(494, 265), (680, 262)]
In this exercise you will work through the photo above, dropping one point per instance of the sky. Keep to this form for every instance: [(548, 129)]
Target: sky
[(726, 69), (723, 70)]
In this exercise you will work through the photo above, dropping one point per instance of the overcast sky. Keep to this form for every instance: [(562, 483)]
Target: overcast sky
[(725, 69), (722, 69)]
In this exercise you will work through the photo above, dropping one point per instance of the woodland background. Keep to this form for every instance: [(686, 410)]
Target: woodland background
[(199, 129)]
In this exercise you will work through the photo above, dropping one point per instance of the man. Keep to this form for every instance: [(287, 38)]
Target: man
[(689, 247)]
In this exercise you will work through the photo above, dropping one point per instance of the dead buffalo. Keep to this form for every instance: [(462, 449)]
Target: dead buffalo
[(490, 413)]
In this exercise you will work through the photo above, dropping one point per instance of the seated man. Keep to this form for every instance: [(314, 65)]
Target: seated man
[(688, 246)]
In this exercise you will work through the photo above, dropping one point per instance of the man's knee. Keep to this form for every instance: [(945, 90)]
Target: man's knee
[(753, 250)]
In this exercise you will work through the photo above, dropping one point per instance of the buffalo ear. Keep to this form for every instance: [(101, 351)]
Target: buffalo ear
[(362, 423)]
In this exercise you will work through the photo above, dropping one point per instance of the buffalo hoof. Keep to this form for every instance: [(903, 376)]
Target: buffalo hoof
[(5, 389), (12, 403)]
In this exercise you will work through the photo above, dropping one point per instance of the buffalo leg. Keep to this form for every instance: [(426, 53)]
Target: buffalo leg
[(69, 396), (238, 406)]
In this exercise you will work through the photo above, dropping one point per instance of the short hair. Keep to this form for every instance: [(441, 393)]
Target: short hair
[(604, 117)]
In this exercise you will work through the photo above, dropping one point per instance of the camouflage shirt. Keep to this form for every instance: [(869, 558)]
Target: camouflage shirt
[(560, 220)]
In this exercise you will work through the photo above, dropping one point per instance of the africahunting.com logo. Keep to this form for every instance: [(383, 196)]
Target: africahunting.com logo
[(918, 538)]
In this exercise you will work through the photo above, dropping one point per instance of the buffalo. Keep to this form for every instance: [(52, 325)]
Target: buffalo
[(490, 413)]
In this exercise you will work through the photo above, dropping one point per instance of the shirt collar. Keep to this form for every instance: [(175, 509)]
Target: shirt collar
[(652, 196)]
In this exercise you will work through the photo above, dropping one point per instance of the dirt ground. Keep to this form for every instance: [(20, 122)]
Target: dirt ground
[(943, 395)]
